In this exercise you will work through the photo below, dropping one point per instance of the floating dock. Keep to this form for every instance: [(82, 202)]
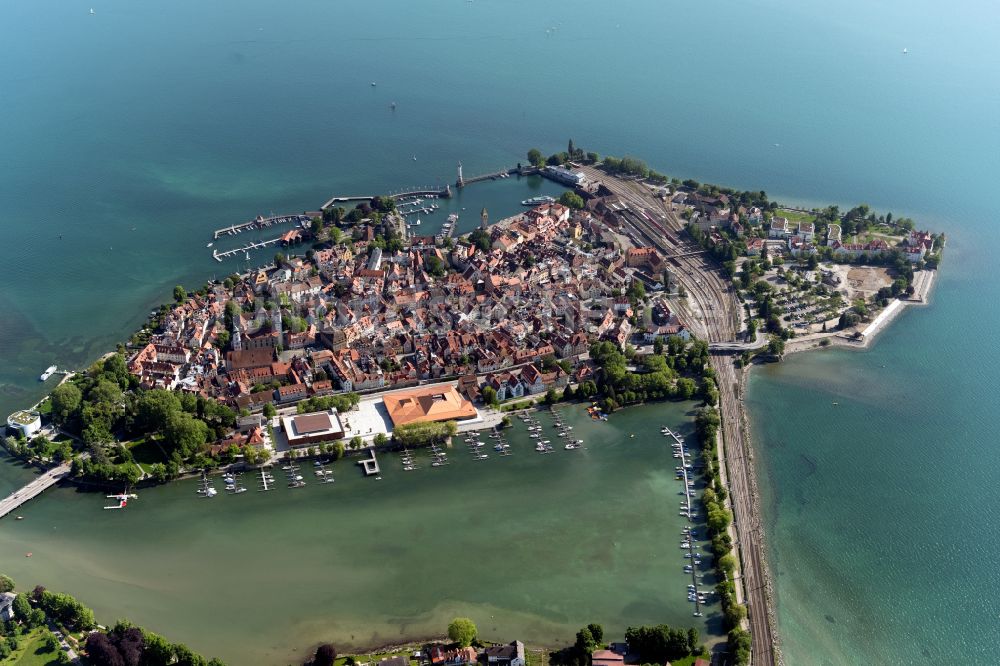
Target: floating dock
[(370, 465), (687, 501), (219, 256)]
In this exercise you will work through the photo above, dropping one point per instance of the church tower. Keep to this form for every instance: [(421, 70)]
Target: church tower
[(485, 218), (276, 324)]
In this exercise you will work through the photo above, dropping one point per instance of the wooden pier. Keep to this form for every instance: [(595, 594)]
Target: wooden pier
[(370, 464), (260, 223), (33, 489), (219, 256), (265, 484), (687, 502)]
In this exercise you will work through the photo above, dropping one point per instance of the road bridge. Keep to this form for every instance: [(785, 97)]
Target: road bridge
[(33, 489)]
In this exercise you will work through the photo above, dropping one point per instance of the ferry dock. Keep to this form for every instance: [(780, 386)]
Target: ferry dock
[(32, 490)]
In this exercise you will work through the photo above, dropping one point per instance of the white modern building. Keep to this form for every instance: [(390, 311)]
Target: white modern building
[(26, 422), (564, 175)]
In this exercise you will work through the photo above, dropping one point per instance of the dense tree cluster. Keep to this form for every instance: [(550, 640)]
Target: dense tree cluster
[(481, 239), (128, 645), (672, 374), (660, 643), (105, 405), (707, 422), (571, 199), (423, 434)]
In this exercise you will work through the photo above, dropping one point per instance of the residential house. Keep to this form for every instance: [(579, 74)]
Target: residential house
[(507, 385), (833, 234), (779, 228), (806, 231), (291, 393), (606, 658), (511, 654), (7, 606)]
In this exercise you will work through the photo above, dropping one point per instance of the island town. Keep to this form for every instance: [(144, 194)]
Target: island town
[(374, 335)]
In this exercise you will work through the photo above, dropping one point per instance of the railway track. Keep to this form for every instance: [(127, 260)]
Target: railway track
[(720, 322)]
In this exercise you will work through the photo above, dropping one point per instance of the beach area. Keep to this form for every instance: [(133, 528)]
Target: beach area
[(861, 337)]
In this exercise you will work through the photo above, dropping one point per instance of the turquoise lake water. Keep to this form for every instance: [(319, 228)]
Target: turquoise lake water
[(130, 134)]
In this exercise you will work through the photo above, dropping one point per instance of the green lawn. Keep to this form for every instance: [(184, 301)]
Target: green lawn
[(687, 661), (32, 652), (795, 216), (146, 452)]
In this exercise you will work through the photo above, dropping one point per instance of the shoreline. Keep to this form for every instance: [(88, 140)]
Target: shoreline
[(744, 473), (921, 296)]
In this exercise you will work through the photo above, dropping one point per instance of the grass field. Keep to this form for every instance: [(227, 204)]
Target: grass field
[(32, 651), (794, 217), (146, 452)]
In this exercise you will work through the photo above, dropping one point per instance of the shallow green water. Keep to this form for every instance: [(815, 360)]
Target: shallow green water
[(530, 546), (178, 118)]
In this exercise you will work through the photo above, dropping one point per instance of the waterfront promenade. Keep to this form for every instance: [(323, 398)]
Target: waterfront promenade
[(32, 490)]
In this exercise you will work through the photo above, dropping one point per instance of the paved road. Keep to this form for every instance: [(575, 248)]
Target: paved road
[(32, 490)]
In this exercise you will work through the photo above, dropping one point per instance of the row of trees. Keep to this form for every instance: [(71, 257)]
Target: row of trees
[(342, 402), (128, 645), (677, 370), (413, 435), (707, 422)]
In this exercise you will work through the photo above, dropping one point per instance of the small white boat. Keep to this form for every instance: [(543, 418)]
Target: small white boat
[(91, 10), (49, 371), (210, 245)]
